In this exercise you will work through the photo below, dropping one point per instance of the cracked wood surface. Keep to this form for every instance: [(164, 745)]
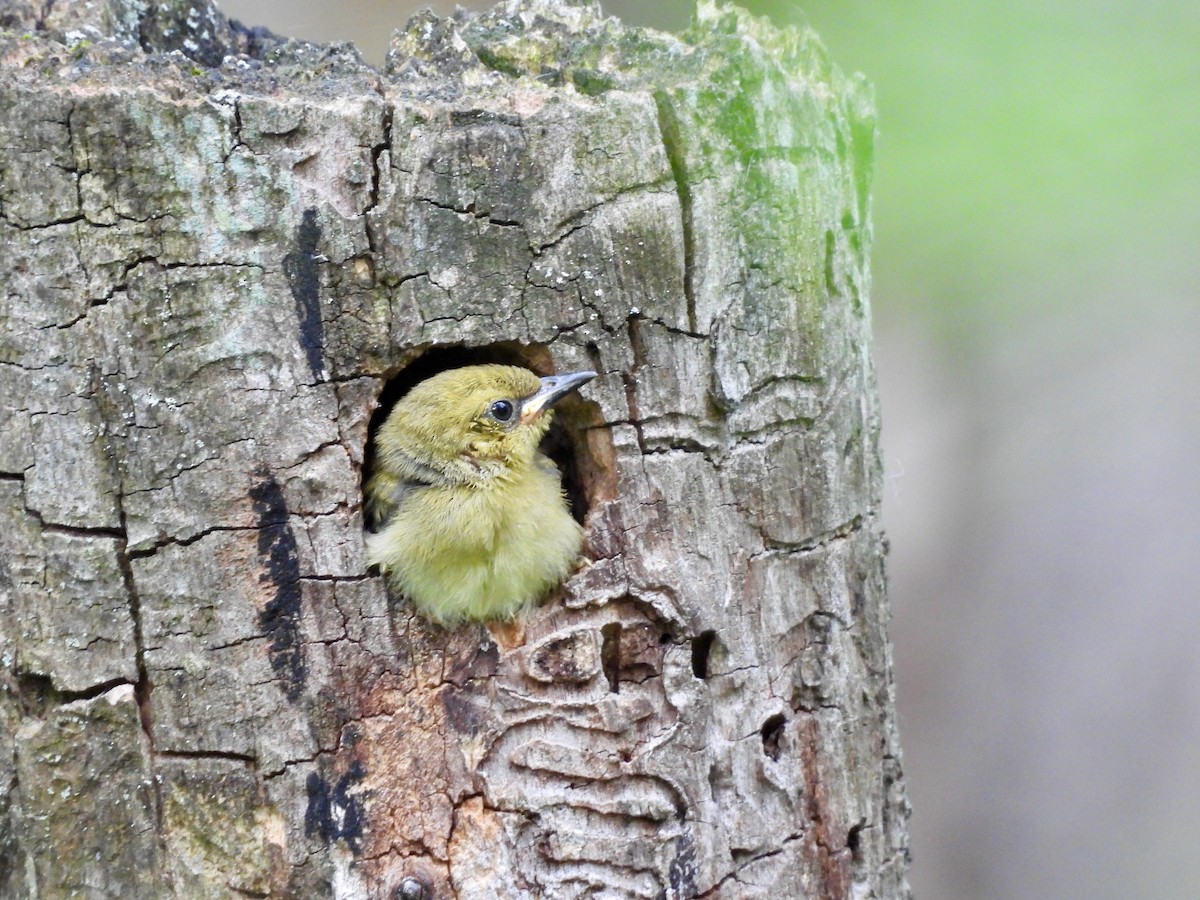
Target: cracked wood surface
[(218, 248)]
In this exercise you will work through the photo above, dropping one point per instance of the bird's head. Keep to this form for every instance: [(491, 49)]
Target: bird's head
[(472, 424)]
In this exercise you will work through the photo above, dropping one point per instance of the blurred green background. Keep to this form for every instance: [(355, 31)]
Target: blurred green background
[(1037, 313)]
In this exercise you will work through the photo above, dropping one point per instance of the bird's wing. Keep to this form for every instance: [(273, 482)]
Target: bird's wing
[(385, 492), (396, 475)]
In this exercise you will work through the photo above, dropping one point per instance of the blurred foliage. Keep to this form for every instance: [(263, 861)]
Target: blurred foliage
[(1033, 154)]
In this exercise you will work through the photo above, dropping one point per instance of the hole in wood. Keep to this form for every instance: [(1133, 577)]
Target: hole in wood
[(610, 655), (586, 463), (854, 842), (772, 735), (701, 649), (412, 888)]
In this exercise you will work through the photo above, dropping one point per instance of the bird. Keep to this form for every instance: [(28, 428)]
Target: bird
[(470, 518)]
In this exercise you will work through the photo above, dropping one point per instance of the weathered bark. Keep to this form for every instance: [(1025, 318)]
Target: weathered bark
[(219, 251)]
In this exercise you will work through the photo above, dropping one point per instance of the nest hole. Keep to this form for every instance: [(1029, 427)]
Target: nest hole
[(587, 470)]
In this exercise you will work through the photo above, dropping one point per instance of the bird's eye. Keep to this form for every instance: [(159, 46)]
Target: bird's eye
[(501, 410)]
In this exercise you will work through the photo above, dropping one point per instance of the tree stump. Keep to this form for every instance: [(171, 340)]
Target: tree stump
[(225, 254)]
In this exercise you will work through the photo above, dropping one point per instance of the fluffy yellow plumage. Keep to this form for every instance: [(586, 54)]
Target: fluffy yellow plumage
[(472, 522)]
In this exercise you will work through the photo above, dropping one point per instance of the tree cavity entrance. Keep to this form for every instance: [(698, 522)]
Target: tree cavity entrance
[(586, 464)]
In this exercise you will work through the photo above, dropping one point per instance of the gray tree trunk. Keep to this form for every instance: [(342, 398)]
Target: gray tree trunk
[(220, 250)]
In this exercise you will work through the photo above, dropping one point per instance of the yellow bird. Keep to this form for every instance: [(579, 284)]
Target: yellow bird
[(471, 518)]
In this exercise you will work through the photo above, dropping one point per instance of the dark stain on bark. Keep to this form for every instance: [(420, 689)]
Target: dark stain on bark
[(466, 709), (681, 874), (334, 811), (280, 618), (303, 276)]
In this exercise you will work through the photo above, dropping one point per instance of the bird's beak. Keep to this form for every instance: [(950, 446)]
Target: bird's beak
[(553, 388)]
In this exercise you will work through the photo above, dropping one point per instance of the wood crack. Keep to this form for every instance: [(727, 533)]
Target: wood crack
[(675, 147)]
